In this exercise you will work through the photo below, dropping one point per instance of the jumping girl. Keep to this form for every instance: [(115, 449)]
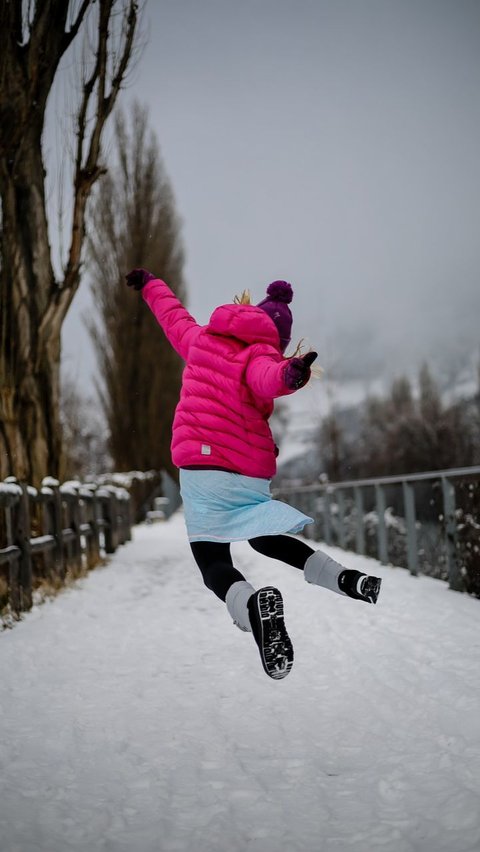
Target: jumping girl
[(222, 443)]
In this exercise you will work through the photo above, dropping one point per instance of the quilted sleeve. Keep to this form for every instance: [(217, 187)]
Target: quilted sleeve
[(265, 374), (179, 326)]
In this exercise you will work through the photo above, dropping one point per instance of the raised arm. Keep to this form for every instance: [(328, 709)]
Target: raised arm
[(179, 326)]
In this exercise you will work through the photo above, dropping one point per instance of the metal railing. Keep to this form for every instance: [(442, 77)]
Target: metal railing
[(341, 511), (56, 532)]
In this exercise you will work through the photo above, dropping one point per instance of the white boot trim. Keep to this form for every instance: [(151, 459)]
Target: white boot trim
[(236, 601), (322, 570)]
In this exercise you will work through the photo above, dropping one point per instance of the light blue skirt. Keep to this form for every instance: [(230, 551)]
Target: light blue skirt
[(225, 507)]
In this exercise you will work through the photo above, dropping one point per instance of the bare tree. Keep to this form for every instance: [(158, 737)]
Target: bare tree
[(33, 302), (134, 224), (334, 453), (403, 433), (84, 435)]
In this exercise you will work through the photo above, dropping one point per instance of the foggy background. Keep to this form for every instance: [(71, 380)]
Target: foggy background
[(336, 145)]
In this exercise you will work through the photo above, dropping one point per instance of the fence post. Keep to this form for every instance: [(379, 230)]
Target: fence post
[(382, 544), (75, 525), (57, 529), (455, 579), (14, 594), (115, 520), (47, 529), (121, 520), (410, 517), (94, 548), (128, 520), (110, 529), (360, 529), (21, 534)]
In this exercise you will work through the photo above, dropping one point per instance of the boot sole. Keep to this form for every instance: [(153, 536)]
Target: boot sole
[(371, 589), (276, 649)]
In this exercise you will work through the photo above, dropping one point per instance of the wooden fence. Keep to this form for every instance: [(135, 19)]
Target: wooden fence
[(56, 532)]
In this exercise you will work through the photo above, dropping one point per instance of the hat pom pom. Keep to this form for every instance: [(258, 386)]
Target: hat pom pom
[(280, 291)]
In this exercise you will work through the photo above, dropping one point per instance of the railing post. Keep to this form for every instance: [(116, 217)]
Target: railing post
[(341, 518), (360, 529), (316, 526), (411, 520), (382, 546), (455, 579), (305, 506), (327, 519)]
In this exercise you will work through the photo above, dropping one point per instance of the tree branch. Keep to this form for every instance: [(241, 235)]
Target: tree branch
[(87, 169), (44, 46), (105, 104), (18, 21), (11, 20), (69, 37)]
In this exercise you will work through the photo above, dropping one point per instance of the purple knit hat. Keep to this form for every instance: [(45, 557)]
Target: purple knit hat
[(279, 296)]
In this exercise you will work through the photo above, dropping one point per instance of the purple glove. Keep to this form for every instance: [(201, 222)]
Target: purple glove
[(137, 278), (297, 371)]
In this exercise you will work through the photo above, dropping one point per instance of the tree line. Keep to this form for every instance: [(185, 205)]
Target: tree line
[(407, 430)]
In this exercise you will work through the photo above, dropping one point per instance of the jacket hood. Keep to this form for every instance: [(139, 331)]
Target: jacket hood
[(247, 323)]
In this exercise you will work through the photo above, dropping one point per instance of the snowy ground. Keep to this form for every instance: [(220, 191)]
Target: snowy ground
[(136, 718)]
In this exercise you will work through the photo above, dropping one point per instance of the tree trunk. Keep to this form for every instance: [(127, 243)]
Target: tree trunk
[(29, 379)]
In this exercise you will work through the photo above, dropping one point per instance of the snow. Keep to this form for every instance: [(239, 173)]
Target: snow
[(135, 716), (71, 487), (10, 488), (50, 482), (107, 491), (126, 479)]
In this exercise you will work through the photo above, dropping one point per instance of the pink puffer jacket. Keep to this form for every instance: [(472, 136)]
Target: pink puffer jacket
[(234, 370)]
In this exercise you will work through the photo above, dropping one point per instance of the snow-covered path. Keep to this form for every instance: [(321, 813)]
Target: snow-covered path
[(136, 718)]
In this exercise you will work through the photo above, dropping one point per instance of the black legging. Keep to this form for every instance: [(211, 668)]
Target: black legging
[(215, 561)]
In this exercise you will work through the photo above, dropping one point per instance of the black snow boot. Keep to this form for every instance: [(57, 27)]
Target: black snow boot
[(359, 586), (265, 609)]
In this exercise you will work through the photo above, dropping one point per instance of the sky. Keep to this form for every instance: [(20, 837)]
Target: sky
[(332, 143)]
